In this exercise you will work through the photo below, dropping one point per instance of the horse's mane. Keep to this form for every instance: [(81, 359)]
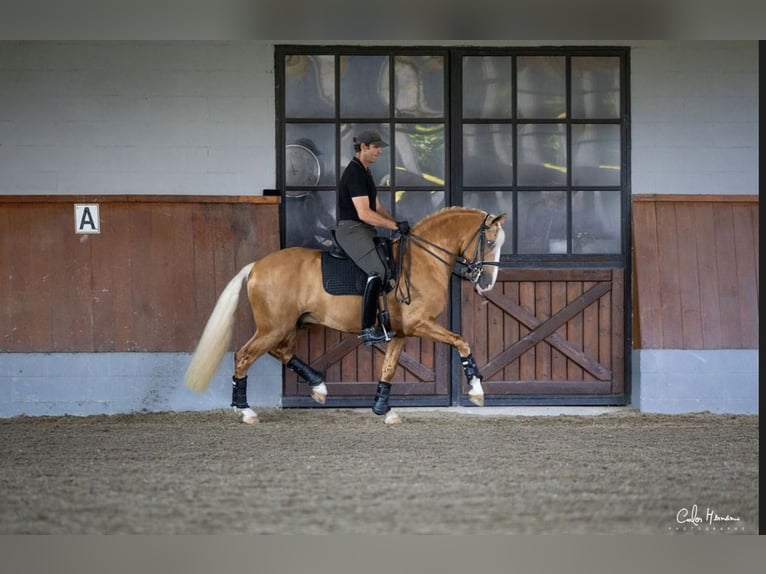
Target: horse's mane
[(444, 210)]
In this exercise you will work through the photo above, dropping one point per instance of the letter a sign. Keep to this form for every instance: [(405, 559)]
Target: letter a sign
[(86, 218)]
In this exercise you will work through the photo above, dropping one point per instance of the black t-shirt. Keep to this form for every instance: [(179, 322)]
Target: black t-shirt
[(356, 181)]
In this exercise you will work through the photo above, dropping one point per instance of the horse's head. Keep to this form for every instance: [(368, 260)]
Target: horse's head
[(487, 244)]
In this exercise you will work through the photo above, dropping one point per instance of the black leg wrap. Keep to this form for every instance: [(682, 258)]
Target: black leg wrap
[(311, 376), (239, 393), (380, 406), (470, 368)]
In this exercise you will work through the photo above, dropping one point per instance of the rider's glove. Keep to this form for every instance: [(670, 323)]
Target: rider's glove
[(403, 227)]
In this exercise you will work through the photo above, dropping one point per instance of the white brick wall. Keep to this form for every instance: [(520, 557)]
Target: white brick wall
[(136, 118), (694, 117)]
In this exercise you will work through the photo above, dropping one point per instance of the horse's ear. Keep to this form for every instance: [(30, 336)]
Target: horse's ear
[(499, 219)]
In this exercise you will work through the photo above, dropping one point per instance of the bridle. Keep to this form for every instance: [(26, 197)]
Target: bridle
[(467, 269)]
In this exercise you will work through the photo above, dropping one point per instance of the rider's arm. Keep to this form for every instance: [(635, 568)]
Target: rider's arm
[(379, 218)]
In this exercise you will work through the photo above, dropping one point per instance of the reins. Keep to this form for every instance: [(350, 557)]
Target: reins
[(463, 268)]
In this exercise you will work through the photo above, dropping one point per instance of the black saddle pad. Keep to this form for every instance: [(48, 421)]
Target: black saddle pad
[(341, 276)]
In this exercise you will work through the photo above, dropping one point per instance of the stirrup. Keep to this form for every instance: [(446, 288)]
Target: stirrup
[(372, 335)]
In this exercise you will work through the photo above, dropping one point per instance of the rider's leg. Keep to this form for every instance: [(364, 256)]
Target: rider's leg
[(372, 332)]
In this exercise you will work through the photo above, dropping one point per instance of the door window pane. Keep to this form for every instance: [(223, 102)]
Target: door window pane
[(315, 142), (542, 155), (541, 87), (488, 154), (595, 154), (309, 86), (364, 86), (420, 154), (596, 88), (542, 222), (596, 222), (419, 85), (487, 87)]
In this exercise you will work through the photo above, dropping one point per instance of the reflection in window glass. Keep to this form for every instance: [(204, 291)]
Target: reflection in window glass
[(415, 205), (364, 86), (541, 87), (419, 85), (487, 88), (487, 154), (420, 154), (309, 218), (595, 154), (309, 86), (596, 218), (596, 87), (542, 222), (542, 155), (494, 202), (319, 139)]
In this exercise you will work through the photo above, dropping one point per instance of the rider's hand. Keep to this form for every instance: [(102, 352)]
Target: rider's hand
[(403, 227)]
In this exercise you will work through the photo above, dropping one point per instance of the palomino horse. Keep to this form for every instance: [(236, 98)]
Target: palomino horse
[(285, 292)]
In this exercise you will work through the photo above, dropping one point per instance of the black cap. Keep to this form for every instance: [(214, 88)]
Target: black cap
[(370, 137)]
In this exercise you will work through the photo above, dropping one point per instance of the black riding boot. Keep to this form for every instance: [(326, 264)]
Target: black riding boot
[(372, 332)]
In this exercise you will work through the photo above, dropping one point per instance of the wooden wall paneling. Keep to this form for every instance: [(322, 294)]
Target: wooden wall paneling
[(668, 279), (6, 280), (202, 268), (44, 280), (708, 274), (689, 284), (646, 267), (746, 255), (728, 288), (20, 333)]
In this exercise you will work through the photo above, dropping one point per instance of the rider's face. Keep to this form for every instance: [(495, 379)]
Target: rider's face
[(370, 153)]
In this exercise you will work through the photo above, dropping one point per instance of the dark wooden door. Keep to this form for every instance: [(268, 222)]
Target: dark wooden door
[(552, 334)]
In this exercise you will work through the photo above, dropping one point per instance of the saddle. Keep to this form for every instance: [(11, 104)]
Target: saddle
[(341, 276)]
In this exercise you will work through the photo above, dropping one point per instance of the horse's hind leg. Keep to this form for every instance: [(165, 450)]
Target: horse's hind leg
[(284, 352), (244, 358)]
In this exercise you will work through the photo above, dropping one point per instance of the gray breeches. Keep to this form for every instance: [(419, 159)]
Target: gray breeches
[(358, 240)]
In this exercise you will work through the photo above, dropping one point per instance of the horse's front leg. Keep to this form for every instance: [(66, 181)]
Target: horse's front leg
[(436, 332), (380, 404)]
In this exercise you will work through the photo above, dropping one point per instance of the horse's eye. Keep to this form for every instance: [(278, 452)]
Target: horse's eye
[(490, 242)]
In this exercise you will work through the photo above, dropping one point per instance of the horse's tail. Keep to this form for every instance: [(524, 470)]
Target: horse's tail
[(216, 337)]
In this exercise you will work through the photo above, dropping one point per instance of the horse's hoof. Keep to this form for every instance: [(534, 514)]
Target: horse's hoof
[(477, 399), (249, 416), (392, 418), (319, 393)]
